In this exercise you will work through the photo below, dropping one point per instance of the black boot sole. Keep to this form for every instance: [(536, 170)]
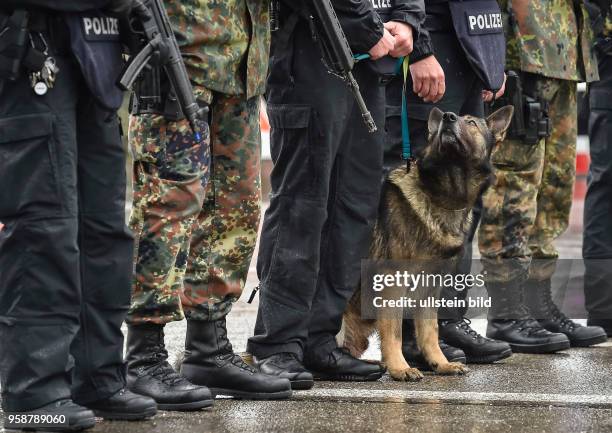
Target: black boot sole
[(192, 405), (589, 341), (347, 377), (121, 416), (540, 348), (489, 359), (246, 395), (302, 384)]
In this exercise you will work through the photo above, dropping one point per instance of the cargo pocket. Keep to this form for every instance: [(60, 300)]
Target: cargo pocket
[(28, 166), (293, 140)]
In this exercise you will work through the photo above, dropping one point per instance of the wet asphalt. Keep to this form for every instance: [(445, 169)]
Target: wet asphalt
[(570, 391)]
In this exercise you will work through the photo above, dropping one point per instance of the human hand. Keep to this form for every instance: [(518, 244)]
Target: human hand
[(487, 95), (383, 46), (403, 38), (428, 79)]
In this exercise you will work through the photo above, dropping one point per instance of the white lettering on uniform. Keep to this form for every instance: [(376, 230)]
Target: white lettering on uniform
[(485, 21), (472, 20), (96, 26), (101, 26), (88, 24), (377, 4)]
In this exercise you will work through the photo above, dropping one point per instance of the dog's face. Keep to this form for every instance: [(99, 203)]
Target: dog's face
[(454, 166), (465, 140)]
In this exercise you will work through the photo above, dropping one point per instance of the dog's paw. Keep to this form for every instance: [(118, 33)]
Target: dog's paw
[(406, 375), (452, 368)]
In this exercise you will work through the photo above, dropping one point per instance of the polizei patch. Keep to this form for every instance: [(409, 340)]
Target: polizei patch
[(484, 23), (100, 28)]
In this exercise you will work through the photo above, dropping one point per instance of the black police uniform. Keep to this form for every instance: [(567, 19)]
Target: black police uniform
[(597, 242), (463, 95), (325, 182), (65, 252)]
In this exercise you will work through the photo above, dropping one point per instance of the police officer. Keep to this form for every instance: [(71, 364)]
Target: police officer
[(325, 190), (197, 208), (64, 250), (597, 241), (442, 76), (528, 205)]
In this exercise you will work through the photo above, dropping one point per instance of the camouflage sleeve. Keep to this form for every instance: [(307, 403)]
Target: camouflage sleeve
[(362, 25), (58, 5)]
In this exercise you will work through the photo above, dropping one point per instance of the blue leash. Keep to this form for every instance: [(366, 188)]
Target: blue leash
[(401, 67)]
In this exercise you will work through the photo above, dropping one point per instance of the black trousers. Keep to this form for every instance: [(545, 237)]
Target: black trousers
[(325, 193), (463, 96), (65, 252), (597, 240)]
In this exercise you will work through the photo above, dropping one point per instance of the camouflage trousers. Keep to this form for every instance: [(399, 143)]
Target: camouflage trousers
[(529, 203), (196, 212)]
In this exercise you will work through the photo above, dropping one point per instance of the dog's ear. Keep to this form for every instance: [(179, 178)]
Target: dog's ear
[(499, 122), (435, 117)]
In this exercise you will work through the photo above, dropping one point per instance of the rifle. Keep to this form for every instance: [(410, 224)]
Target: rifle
[(337, 54), (161, 44)]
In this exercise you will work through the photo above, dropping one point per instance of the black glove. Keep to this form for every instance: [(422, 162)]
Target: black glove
[(128, 12), (124, 10)]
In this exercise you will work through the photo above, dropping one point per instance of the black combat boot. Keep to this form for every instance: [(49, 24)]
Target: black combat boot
[(340, 365), (511, 321), (477, 349), (542, 307), (413, 355), (74, 418), (124, 405), (150, 374), (606, 324), (286, 365), (210, 361)]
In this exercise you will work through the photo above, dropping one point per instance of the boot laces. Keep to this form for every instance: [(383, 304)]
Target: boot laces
[(555, 314), (160, 368), (465, 325), (230, 356), (530, 325), (237, 360)]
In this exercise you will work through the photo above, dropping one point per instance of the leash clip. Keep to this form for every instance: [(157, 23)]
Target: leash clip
[(253, 293)]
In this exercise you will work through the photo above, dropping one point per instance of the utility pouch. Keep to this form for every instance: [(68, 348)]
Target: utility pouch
[(530, 122), (14, 43)]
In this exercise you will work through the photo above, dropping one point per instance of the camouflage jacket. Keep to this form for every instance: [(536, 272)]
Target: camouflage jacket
[(550, 38), (225, 44)]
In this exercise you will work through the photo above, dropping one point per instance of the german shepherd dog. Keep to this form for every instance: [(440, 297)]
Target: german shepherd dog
[(425, 214)]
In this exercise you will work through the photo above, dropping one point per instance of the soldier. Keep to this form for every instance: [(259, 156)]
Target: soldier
[(325, 189), (442, 76), (64, 250), (194, 241), (597, 245), (528, 206)]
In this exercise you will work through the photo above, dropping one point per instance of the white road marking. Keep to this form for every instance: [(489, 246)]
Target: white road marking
[(455, 397)]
